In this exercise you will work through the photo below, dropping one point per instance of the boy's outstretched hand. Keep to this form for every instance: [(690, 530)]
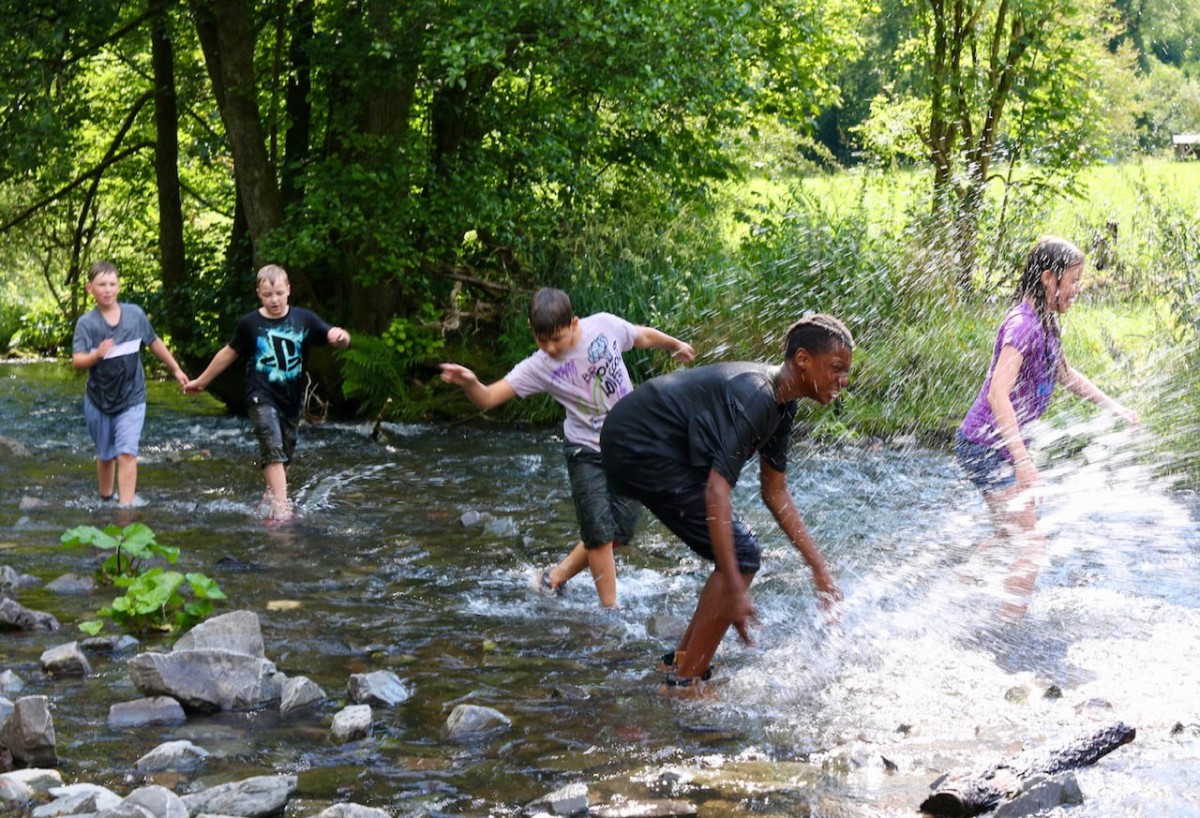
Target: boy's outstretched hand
[(458, 374), (338, 337), (684, 353), (193, 387)]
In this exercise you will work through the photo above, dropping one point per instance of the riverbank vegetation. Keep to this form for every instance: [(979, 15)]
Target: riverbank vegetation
[(710, 170)]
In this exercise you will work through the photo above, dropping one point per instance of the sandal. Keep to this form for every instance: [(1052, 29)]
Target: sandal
[(667, 665), (545, 585)]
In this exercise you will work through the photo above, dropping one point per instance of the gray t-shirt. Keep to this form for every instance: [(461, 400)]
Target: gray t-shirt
[(117, 382), (587, 380)]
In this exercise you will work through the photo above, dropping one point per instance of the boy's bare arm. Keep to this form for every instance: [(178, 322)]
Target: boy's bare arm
[(168, 360), (338, 338), (485, 397), (219, 364), (778, 499), (718, 504), (650, 338)]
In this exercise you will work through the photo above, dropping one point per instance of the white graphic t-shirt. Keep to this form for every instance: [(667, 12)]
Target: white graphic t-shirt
[(587, 380)]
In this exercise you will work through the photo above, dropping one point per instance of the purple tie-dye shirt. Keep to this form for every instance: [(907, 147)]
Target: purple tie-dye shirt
[(1040, 355)]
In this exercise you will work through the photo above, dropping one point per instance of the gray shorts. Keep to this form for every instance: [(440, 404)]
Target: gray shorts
[(114, 434), (276, 435), (603, 516)]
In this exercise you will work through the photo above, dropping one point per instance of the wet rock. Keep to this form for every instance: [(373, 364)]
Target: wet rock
[(299, 692), (16, 617), (72, 584), (180, 756), (236, 632), (253, 797), (353, 723), (1040, 794), (569, 800), (24, 785), (352, 811), (29, 503), (142, 712), (206, 680), (472, 517), (10, 683), (158, 802), (14, 447), (470, 721), (29, 732), (6, 709), (74, 799), (379, 687), (65, 660), (501, 527), (12, 580), (110, 643)]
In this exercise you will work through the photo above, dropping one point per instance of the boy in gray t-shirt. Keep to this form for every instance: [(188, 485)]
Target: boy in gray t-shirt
[(579, 364), (107, 345)]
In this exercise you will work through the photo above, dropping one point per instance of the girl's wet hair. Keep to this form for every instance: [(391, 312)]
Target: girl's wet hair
[(1048, 253), (270, 273), (549, 311), (816, 333), (100, 268)]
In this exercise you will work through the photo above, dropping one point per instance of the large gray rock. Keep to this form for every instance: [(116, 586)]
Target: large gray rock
[(6, 709), (259, 796), (65, 660), (142, 712), (299, 692), (72, 584), (470, 721), (16, 617), (29, 732), (207, 679), (157, 801), (182, 756), (237, 632), (569, 800), (352, 724), (109, 643), (24, 785), (1041, 794), (379, 687), (74, 799), (11, 580)]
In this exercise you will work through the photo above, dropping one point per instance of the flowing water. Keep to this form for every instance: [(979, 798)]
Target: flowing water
[(918, 675)]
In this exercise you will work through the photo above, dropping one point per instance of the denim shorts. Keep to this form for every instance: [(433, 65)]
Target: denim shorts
[(603, 516), (686, 515), (276, 435), (984, 465), (114, 434)]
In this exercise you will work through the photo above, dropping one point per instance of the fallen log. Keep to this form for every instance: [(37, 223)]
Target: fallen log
[(972, 793)]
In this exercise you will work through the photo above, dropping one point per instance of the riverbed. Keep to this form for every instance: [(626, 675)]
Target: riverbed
[(917, 675)]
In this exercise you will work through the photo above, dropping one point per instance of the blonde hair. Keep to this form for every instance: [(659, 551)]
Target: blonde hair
[(270, 273)]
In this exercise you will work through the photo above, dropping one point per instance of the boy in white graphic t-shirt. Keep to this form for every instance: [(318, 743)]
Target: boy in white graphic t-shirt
[(579, 364)]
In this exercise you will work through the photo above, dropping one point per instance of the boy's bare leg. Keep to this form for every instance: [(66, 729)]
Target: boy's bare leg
[(276, 476), (707, 628), (604, 573), (106, 475), (126, 478), (571, 565)]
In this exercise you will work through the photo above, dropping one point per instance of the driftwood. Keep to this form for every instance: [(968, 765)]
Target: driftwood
[(973, 793), (377, 429)]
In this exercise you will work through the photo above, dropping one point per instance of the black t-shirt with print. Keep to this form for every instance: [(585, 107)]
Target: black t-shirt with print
[(276, 353)]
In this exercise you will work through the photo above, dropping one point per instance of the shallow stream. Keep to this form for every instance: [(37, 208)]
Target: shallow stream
[(918, 676)]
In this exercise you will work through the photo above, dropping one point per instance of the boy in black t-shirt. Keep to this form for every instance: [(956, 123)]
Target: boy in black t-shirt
[(274, 340), (678, 444)]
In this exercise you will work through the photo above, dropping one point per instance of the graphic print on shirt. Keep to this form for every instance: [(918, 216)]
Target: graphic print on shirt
[(605, 377), (280, 354)]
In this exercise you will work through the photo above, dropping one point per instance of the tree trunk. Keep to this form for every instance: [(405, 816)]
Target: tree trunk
[(166, 171)]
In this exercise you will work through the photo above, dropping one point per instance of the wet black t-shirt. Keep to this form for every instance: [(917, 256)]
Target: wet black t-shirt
[(276, 351), (667, 434)]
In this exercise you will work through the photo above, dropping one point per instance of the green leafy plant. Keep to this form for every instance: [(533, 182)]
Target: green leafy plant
[(155, 599), (131, 546)]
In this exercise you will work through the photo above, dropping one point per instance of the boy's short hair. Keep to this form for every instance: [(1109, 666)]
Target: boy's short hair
[(102, 267), (816, 333), (270, 273), (549, 311)]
